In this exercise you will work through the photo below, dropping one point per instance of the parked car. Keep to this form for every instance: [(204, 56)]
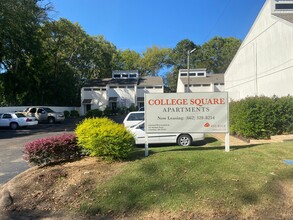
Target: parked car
[(15, 120), (182, 139), (44, 114), (133, 118)]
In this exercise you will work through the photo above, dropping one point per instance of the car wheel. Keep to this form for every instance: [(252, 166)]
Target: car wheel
[(51, 120), (184, 140), (13, 126)]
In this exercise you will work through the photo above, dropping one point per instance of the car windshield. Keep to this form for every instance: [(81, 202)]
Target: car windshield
[(48, 110), (136, 117), (20, 115)]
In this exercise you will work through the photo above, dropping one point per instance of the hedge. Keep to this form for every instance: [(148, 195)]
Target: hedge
[(104, 138), (261, 117), (52, 149)]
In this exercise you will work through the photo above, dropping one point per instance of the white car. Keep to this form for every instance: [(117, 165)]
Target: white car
[(182, 139), (133, 118), (15, 120)]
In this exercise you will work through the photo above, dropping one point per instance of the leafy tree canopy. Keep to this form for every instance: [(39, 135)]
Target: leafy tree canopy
[(46, 62)]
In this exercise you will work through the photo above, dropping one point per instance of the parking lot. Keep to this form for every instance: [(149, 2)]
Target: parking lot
[(12, 142)]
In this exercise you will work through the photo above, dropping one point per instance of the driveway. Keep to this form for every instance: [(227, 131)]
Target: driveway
[(12, 142)]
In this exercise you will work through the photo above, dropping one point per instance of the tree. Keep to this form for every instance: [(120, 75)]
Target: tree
[(20, 22), (218, 53), (127, 60), (70, 58), (214, 55), (154, 59), (178, 60)]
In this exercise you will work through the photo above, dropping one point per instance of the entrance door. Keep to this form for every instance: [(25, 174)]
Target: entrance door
[(88, 107), (114, 107)]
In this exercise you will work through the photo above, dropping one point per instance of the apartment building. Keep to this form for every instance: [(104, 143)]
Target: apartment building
[(263, 64), (199, 80), (122, 90)]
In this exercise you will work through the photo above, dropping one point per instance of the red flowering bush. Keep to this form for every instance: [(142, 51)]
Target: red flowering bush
[(52, 149)]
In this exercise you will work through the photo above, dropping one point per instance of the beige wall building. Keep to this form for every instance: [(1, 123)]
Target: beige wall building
[(263, 64)]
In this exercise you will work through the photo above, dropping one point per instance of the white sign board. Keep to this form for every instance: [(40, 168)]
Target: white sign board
[(186, 112)]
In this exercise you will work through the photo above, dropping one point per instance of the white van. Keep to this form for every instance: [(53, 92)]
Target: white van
[(133, 118), (182, 139)]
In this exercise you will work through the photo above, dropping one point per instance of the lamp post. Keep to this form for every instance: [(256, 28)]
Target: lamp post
[(188, 55)]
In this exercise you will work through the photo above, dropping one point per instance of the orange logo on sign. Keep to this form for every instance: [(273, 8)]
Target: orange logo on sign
[(207, 125)]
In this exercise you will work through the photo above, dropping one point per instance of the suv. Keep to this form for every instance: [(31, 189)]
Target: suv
[(44, 114)]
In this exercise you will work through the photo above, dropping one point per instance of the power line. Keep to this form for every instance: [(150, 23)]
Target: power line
[(217, 21)]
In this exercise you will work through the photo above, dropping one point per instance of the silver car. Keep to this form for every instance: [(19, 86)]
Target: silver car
[(45, 114)]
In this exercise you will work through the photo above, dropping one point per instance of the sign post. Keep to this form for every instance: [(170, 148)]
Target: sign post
[(146, 146), (202, 112)]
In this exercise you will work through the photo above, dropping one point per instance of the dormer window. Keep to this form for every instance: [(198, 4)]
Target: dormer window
[(282, 6), (125, 74), (132, 75)]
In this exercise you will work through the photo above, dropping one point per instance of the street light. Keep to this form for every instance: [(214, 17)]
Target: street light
[(188, 55)]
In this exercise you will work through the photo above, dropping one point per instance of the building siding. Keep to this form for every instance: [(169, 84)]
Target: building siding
[(264, 63)]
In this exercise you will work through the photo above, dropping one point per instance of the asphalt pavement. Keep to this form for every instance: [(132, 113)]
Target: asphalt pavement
[(13, 141)]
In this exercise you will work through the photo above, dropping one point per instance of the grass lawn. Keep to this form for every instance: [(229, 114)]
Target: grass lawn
[(198, 181)]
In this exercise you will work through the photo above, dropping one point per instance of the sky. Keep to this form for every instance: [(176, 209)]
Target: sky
[(141, 24)]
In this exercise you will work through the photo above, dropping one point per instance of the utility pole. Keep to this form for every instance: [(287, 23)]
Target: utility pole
[(188, 55)]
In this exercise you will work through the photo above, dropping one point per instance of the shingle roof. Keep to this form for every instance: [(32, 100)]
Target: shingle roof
[(150, 81), (210, 78), (97, 82), (123, 81), (144, 81), (285, 16)]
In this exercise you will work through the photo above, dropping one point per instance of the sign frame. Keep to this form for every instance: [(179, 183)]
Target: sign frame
[(208, 110)]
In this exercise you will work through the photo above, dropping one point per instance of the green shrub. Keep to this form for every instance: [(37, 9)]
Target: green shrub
[(93, 113), (66, 114), (283, 115), (74, 113), (261, 117), (104, 138), (122, 110), (52, 149), (107, 111), (132, 108)]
